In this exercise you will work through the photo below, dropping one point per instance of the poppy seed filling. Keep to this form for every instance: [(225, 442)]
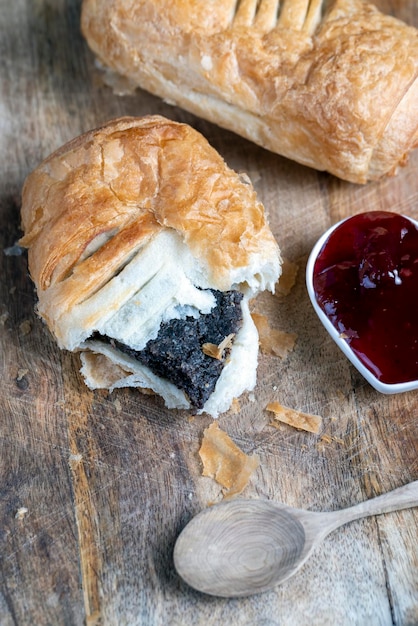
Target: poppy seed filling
[(177, 355)]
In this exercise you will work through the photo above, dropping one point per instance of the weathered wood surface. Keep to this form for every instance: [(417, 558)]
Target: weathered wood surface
[(94, 488)]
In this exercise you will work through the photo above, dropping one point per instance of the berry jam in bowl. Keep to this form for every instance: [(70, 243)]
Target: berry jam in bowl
[(362, 279)]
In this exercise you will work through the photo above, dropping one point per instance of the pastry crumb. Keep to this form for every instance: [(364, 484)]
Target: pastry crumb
[(14, 250), (297, 419), (21, 512), (287, 279), (326, 438), (75, 458), (25, 328), (218, 352), (118, 405), (273, 341), (330, 438), (225, 462), (21, 373), (235, 406)]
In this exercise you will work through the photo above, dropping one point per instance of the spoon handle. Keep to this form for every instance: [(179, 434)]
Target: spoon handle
[(401, 498)]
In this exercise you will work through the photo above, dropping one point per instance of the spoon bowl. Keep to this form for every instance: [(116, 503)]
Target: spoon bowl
[(220, 543), (243, 547)]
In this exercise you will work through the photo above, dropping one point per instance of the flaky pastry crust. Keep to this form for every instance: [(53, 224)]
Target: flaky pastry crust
[(330, 84), (121, 185)]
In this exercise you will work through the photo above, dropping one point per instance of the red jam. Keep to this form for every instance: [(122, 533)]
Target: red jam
[(366, 281)]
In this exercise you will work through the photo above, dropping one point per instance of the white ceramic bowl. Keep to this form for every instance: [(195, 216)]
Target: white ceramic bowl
[(387, 388)]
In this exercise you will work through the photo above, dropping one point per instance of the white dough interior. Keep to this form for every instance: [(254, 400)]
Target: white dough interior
[(161, 282)]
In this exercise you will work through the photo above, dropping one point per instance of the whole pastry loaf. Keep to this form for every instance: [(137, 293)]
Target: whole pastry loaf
[(330, 84), (145, 249)]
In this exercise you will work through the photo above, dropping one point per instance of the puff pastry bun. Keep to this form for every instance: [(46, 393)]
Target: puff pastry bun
[(331, 84), (134, 225)]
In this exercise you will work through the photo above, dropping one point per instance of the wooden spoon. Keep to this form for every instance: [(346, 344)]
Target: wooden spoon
[(242, 547)]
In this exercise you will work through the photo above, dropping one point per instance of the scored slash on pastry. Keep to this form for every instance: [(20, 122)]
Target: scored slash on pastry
[(265, 15), (331, 84)]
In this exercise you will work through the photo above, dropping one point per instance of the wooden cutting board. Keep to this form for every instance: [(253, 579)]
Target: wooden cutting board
[(95, 487)]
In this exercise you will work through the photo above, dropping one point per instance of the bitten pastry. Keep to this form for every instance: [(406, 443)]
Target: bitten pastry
[(145, 249), (331, 84)]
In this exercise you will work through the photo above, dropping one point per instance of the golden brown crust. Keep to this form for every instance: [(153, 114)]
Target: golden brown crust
[(137, 176), (93, 205), (320, 89), (131, 225)]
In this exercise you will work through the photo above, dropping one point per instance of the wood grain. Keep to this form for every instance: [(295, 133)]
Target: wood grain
[(94, 488)]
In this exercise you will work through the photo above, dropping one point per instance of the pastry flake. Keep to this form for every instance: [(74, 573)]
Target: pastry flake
[(145, 246), (273, 341), (297, 419), (225, 462), (288, 278)]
